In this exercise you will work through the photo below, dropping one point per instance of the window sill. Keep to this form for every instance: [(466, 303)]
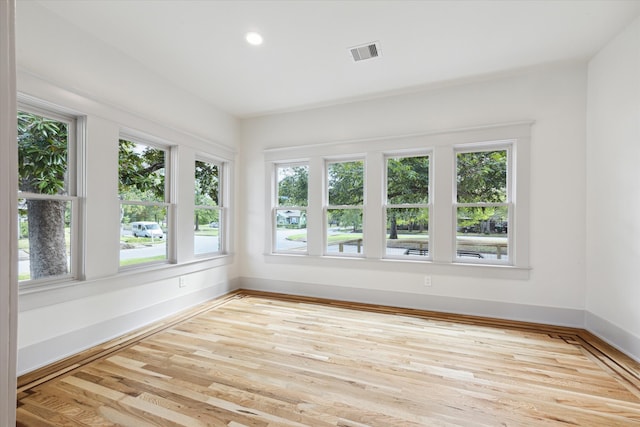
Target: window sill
[(495, 271)]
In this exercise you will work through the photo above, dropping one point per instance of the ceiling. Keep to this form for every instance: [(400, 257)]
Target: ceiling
[(199, 46)]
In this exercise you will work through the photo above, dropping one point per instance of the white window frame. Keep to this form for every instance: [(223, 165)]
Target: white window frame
[(277, 207), (167, 204), (221, 208), (361, 251), (75, 188), (482, 147), (441, 146), (386, 205)]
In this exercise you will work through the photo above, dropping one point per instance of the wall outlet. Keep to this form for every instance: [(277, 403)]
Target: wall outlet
[(427, 281), (182, 282)]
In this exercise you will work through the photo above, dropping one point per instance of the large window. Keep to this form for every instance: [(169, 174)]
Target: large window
[(444, 201), (344, 211), (144, 206), (290, 213), (209, 213), (47, 199), (483, 205), (407, 206)]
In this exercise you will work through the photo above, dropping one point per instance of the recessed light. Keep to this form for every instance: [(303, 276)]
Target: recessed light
[(254, 39)]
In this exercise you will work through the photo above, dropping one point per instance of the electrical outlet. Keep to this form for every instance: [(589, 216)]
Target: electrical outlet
[(427, 281), (182, 282)]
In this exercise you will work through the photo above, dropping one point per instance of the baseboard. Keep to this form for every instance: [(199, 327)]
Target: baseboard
[(614, 335), (500, 310), (46, 352)]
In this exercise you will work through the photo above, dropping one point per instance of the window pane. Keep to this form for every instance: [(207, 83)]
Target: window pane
[(291, 230), (141, 172), (344, 231), (42, 154), (408, 231), (44, 243), (293, 185), (143, 231), (207, 182), (346, 183), (408, 180), (207, 231), (483, 233), (482, 177)]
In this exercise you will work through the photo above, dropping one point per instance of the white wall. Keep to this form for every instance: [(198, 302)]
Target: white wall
[(554, 291), (613, 198), (8, 218), (63, 68)]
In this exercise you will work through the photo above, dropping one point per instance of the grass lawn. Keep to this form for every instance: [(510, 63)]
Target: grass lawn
[(133, 261)]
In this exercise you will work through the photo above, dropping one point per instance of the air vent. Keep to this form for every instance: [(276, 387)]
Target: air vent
[(366, 51)]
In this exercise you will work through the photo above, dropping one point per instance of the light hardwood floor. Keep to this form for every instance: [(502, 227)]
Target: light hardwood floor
[(253, 359)]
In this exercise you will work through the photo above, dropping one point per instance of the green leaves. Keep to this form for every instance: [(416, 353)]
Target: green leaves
[(141, 172), (408, 180), (42, 154), (482, 177), (346, 183), (207, 182), (293, 185)]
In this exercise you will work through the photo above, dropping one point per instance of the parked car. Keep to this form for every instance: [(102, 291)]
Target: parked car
[(147, 229)]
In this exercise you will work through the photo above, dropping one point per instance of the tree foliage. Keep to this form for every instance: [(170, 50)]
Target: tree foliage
[(408, 180), (141, 172), (42, 154), (407, 183), (293, 186), (207, 183), (346, 183), (42, 169), (482, 177)]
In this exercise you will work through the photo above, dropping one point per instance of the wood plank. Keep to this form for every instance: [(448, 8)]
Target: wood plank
[(256, 359)]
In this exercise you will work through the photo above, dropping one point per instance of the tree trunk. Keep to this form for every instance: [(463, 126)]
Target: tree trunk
[(47, 245), (197, 228), (393, 232)]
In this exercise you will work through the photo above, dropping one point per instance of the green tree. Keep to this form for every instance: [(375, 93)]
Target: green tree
[(407, 183), (207, 184), (141, 173), (481, 178), (42, 169), (346, 183), (293, 186)]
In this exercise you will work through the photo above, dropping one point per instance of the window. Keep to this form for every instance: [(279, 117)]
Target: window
[(144, 207), (483, 205), (444, 201), (407, 206), (48, 211), (209, 218), (290, 213), (344, 211)]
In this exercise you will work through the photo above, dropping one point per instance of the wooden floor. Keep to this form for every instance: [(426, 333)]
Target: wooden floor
[(263, 360)]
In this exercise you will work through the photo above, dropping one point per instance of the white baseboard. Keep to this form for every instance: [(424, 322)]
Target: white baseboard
[(54, 349), (614, 335), (46, 352), (605, 330), (495, 309)]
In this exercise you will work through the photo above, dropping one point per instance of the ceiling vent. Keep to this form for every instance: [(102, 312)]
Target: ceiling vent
[(365, 51)]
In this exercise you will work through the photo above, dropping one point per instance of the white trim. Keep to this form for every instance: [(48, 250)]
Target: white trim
[(8, 217), (501, 310), (278, 152), (45, 352), (621, 339), (78, 102)]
